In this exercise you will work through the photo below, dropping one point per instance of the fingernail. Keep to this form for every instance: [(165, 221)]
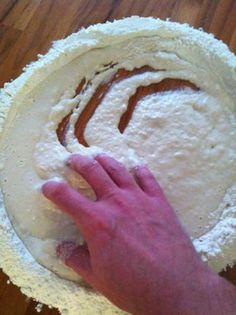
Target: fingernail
[(68, 162), (135, 168), (71, 159), (48, 188)]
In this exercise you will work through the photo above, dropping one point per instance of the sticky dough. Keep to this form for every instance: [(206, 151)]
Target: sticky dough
[(186, 137)]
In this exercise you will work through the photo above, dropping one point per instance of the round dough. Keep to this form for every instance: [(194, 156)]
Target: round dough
[(186, 137)]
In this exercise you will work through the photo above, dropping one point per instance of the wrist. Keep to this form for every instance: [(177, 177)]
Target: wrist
[(209, 294), (224, 294)]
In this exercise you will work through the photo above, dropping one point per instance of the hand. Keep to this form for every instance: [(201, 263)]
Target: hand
[(136, 252)]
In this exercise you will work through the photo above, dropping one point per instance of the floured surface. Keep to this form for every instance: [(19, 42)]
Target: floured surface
[(186, 137)]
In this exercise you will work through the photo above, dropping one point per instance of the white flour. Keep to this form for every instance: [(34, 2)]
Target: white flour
[(186, 137)]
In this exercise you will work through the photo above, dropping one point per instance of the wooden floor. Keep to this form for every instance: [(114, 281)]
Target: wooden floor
[(27, 28)]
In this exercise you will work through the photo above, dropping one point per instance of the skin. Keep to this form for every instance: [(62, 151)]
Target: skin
[(136, 252)]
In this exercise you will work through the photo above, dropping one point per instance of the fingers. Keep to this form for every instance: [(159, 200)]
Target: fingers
[(76, 257), (147, 181), (93, 173), (116, 171), (70, 201)]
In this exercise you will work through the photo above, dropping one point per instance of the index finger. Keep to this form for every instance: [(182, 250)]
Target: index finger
[(80, 208)]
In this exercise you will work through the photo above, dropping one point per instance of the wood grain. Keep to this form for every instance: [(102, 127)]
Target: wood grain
[(27, 28)]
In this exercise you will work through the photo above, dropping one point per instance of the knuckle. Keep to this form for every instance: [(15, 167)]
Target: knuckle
[(104, 225), (117, 199)]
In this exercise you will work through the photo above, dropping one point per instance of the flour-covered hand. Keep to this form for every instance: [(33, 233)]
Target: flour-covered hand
[(136, 252)]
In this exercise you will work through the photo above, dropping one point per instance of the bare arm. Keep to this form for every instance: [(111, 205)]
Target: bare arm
[(136, 253)]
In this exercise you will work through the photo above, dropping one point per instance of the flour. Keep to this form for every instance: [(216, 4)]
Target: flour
[(187, 138), (39, 308)]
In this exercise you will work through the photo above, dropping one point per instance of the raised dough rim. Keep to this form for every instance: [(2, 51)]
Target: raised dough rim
[(34, 280)]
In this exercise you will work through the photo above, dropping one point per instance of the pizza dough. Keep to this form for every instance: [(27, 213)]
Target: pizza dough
[(186, 137)]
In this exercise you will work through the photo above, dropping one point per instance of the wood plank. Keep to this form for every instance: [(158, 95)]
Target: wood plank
[(27, 28), (21, 14), (8, 42), (6, 7)]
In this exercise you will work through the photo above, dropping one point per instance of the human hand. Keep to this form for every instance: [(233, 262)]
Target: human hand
[(136, 252)]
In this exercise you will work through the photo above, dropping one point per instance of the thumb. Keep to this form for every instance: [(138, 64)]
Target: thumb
[(76, 257)]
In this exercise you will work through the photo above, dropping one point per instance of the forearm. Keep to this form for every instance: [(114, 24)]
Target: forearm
[(206, 294), (214, 296)]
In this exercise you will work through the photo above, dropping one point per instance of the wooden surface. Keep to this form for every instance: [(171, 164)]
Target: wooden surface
[(27, 28)]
